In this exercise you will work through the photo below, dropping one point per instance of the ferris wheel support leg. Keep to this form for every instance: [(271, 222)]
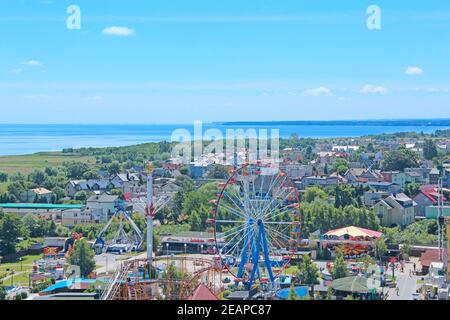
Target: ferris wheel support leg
[(266, 254), (255, 259), (244, 251)]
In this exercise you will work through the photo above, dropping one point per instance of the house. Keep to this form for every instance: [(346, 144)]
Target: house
[(395, 210), (39, 195), (372, 197), (434, 176), (198, 169), (73, 217), (403, 178), (361, 175), (426, 196), (104, 203), (93, 185), (164, 187), (432, 212), (388, 187), (128, 182), (297, 171), (320, 181), (387, 175)]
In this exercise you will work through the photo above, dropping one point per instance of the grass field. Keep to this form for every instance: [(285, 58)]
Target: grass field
[(27, 163), (21, 271)]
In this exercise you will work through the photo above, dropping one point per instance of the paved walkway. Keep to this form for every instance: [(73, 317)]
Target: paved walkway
[(406, 283)]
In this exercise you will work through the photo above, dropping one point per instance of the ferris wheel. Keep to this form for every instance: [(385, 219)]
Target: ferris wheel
[(256, 221)]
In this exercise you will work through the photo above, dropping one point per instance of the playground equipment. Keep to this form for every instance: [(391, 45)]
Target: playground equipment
[(122, 241), (70, 242), (258, 211)]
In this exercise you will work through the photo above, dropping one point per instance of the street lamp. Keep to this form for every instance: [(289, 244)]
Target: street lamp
[(167, 248), (201, 248), (185, 246)]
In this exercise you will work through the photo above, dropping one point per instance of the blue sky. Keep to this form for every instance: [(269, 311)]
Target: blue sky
[(176, 61)]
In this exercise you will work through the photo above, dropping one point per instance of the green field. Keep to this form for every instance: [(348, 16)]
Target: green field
[(21, 270), (27, 163)]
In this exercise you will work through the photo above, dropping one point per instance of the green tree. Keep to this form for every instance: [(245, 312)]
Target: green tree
[(114, 168), (340, 266), (380, 247), (429, 149), (218, 172), (411, 189), (400, 159), (314, 193), (292, 294), (2, 293), (308, 272), (3, 177), (10, 231), (340, 166), (83, 256)]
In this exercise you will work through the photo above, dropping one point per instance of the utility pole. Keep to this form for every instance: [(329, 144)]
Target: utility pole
[(150, 216), (440, 218)]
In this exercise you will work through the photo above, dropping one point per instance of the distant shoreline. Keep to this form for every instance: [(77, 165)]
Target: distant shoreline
[(381, 122)]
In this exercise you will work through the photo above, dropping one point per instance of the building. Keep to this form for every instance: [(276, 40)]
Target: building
[(297, 171), (104, 203), (388, 187), (403, 178), (427, 196), (128, 182), (372, 197), (38, 195), (93, 185), (432, 212), (320, 181), (73, 217), (361, 175), (395, 210), (434, 176), (198, 170)]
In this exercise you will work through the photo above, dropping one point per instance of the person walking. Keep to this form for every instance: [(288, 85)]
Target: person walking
[(397, 290)]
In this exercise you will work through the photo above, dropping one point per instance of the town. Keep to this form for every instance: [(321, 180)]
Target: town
[(363, 218)]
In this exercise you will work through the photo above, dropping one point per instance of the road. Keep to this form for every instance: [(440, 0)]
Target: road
[(406, 283)]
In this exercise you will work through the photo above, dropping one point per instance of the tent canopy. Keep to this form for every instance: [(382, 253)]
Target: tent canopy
[(354, 232), (354, 284)]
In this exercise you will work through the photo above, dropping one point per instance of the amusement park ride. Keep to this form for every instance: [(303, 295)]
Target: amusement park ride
[(257, 212)]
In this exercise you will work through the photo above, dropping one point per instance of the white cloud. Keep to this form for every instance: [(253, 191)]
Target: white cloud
[(33, 63), (413, 71), (368, 88), (118, 31), (316, 92), (15, 71)]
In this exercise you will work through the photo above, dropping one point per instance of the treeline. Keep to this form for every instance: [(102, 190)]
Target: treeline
[(14, 230)]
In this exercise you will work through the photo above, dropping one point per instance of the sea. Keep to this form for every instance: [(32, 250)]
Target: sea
[(21, 139)]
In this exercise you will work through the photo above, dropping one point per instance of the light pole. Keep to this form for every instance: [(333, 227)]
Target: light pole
[(201, 248), (185, 247), (167, 249)]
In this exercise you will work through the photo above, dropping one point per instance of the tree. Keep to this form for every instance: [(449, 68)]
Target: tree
[(344, 195), (400, 159), (340, 166), (340, 266), (3, 177), (380, 247), (314, 193), (429, 149), (218, 172), (292, 294), (83, 256), (114, 168), (2, 293), (411, 189), (308, 272), (10, 231)]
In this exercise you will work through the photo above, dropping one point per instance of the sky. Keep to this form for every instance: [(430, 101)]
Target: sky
[(176, 61)]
